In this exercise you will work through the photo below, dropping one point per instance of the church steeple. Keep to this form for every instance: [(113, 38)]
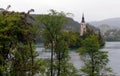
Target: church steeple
[(83, 19), (83, 28)]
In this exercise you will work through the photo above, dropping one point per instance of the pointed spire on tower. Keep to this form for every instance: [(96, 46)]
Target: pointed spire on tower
[(83, 19)]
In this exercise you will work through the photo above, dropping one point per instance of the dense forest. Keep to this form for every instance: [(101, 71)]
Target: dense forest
[(112, 35), (18, 55)]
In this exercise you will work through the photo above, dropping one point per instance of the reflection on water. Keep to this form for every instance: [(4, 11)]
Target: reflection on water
[(113, 49)]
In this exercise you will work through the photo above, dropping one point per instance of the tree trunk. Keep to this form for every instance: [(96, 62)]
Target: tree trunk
[(31, 58), (59, 60), (52, 50), (93, 68)]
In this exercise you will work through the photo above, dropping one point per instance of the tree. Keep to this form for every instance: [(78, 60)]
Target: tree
[(95, 61), (52, 28), (8, 28), (101, 39), (56, 41), (17, 55)]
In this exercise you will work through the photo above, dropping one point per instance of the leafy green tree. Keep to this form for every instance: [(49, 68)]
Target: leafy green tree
[(95, 61), (101, 39), (63, 66), (17, 50), (52, 28), (8, 28), (90, 32), (56, 41)]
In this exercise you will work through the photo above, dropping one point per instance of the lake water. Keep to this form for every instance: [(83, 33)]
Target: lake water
[(113, 49)]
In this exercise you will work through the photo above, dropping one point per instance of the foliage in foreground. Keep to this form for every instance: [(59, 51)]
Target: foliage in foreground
[(56, 41), (95, 60), (17, 55)]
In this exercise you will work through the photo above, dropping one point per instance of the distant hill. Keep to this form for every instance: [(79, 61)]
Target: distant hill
[(113, 22), (103, 25), (75, 26), (110, 28), (107, 24), (72, 24)]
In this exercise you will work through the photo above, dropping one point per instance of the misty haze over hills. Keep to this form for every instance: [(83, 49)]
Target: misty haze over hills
[(110, 28), (103, 25), (113, 22), (107, 24)]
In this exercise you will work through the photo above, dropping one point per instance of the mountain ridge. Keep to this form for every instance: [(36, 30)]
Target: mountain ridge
[(110, 21)]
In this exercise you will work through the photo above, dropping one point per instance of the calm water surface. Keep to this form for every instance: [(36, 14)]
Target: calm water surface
[(113, 49)]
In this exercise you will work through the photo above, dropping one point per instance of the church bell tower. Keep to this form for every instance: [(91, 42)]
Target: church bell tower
[(82, 26)]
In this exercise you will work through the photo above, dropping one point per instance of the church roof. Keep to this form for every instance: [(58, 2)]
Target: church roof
[(83, 19)]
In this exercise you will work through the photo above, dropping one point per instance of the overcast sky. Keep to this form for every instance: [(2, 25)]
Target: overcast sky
[(94, 10)]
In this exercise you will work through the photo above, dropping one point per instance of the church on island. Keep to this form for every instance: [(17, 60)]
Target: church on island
[(83, 26)]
